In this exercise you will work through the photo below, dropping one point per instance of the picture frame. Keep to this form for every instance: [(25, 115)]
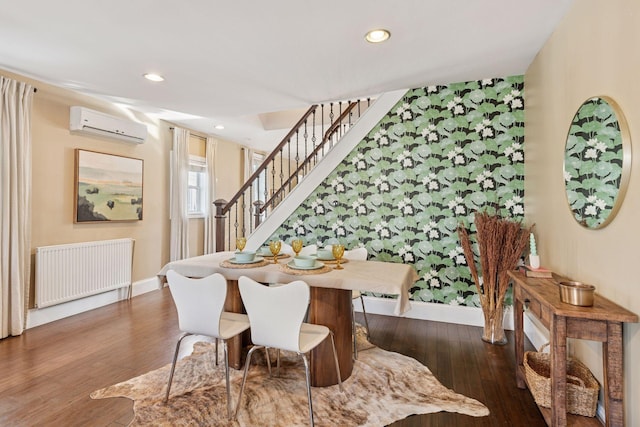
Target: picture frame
[(107, 187)]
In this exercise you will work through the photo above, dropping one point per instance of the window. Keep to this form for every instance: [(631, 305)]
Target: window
[(197, 187)]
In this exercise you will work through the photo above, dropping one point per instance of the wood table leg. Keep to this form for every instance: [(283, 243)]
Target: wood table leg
[(329, 307), (613, 375), (233, 303), (518, 324), (558, 333), (332, 308)]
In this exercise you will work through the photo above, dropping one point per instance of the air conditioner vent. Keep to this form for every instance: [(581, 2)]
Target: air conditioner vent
[(85, 121)]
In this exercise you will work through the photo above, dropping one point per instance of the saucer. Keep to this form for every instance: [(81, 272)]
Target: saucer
[(317, 265), (253, 261)]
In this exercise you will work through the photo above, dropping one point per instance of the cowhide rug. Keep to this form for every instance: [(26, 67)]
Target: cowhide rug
[(384, 387)]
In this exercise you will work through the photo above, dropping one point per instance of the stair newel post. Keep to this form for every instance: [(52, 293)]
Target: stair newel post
[(256, 215), (219, 204)]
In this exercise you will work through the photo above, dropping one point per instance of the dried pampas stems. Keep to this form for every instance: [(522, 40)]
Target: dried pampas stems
[(501, 242)]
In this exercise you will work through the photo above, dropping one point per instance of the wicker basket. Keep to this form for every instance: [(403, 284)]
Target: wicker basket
[(582, 387)]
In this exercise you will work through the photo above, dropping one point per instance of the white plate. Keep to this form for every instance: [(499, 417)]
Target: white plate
[(256, 259), (317, 265), (323, 259)]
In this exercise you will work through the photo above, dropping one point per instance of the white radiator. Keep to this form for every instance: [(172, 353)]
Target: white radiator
[(77, 270)]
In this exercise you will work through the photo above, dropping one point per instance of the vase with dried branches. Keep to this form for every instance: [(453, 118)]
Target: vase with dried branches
[(501, 242)]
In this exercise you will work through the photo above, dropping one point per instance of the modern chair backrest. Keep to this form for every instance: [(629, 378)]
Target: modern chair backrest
[(286, 249), (309, 250), (306, 250), (199, 302), (275, 312), (357, 254)]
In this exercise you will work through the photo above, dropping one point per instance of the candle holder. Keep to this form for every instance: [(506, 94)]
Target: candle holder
[(534, 261)]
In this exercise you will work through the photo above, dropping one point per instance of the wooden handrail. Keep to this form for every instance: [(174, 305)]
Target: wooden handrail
[(224, 209), (338, 121), (325, 139), (271, 156)]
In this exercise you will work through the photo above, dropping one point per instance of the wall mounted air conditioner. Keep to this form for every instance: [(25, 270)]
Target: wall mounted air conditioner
[(86, 121)]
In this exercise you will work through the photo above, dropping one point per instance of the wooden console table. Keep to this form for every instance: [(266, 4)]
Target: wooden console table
[(602, 322)]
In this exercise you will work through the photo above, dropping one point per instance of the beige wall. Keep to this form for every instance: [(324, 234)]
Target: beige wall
[(593, 52), (53, 164), (231, 173)]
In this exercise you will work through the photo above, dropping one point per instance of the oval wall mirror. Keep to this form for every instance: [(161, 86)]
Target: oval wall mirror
[(597, 162)]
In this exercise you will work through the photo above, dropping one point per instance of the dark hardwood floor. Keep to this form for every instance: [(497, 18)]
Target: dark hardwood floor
[(47, 374)]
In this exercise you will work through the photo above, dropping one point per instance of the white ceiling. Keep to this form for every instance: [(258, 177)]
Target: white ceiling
[(233, 62)]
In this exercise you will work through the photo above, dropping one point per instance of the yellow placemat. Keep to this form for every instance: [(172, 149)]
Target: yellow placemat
[(227, 264), (285, 268), (334, 261), (280, 256)]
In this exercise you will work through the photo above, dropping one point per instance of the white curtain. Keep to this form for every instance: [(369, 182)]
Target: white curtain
[(179, 184), (248, 162), (15, 204), (210, 219)]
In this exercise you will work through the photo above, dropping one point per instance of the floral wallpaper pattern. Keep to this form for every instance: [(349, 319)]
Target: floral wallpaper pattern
[(593, 162), (440, 154)]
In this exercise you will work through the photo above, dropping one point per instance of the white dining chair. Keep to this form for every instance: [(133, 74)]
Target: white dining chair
[(200, 304), (306, 250), (276, 315), (357, 254)]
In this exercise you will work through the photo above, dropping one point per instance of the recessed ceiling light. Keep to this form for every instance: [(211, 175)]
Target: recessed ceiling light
[(153, 77), (219, 127), (377, 36)]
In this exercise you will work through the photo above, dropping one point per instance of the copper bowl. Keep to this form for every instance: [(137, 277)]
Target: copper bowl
[(576, 293)]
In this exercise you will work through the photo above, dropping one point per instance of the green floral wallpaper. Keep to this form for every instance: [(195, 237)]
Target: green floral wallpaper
[(440, 154)]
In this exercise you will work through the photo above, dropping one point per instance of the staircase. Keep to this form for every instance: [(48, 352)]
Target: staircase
[(318, 142)]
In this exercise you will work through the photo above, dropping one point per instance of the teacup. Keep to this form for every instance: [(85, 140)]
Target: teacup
[(304, 261), (245, 256), (264, 250), (325, 254)]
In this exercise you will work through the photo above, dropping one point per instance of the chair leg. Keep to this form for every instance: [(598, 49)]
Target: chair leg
[(278, 362), (308, 377), (353, 332), (216, 351), (364, 313), (244, 379), (335, 358), (226, 375), (266, 352), (173, 365)]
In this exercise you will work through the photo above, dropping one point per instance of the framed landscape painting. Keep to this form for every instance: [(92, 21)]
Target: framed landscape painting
[(107, 187)]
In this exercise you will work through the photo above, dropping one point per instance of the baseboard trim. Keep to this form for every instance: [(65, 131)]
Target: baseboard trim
[(461, 315), (458, 314), (37, 317)]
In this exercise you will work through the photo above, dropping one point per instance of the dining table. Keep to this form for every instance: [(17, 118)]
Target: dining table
[(330, 299)]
